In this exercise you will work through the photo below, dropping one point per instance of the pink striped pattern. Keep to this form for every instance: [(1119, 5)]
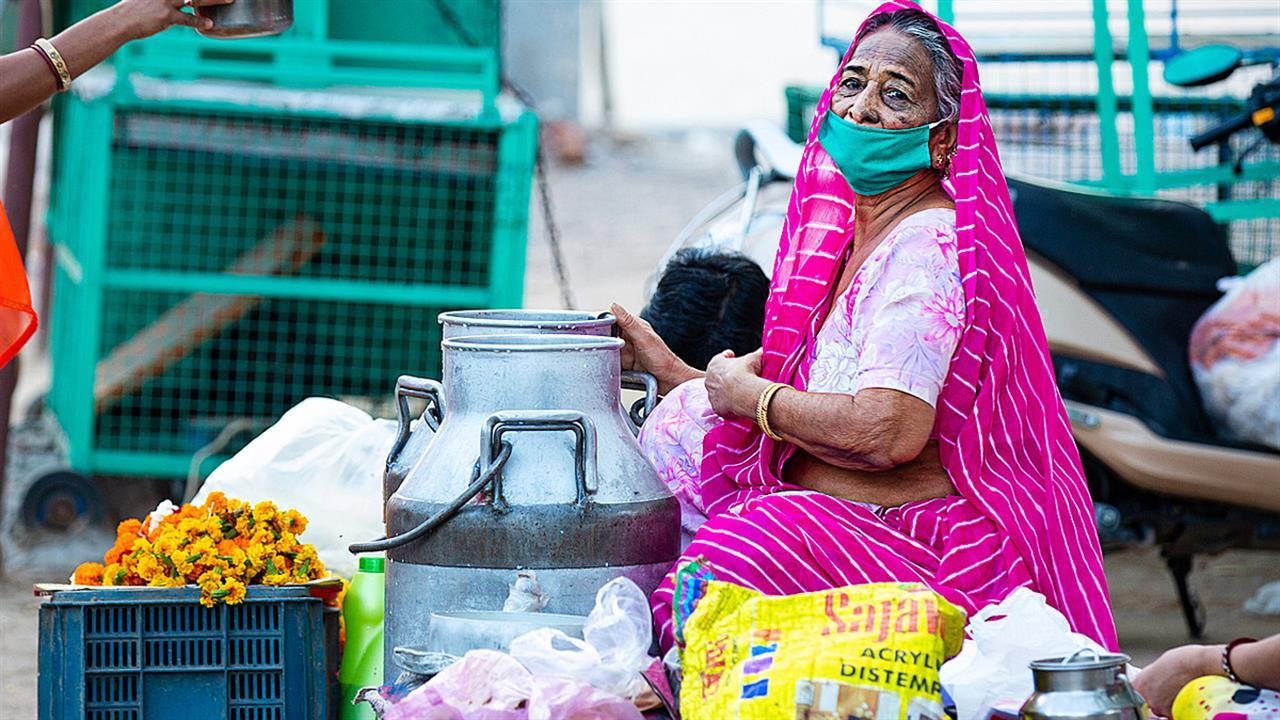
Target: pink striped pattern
[(1004, 433)]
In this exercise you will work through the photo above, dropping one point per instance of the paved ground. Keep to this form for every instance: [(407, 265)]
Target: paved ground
[(617, 216)]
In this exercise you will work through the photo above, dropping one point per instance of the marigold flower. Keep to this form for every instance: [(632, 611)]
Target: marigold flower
[(221, 546), (89, 573)]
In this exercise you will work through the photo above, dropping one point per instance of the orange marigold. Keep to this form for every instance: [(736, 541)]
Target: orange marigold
[(89, 573)]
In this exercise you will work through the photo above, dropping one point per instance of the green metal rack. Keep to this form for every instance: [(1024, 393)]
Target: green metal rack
[(222, 259), (1133, 142)]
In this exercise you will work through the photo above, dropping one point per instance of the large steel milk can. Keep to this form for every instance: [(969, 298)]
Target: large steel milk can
[(534, 466), (413, 437)]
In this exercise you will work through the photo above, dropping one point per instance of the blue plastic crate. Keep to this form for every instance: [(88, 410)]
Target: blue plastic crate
[(156, 654)]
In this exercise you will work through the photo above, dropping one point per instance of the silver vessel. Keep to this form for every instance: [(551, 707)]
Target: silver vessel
[(533, 466), (1084, 686), (247, 18), (413, 437)]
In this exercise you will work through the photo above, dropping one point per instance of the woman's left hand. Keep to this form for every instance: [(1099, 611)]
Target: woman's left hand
[(734, 383)]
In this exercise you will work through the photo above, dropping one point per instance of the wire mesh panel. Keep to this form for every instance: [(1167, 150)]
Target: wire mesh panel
[(250, 357), (224, 193), (220, 265)]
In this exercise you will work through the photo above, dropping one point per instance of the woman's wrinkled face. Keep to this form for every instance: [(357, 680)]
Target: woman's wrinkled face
[(887, 83)]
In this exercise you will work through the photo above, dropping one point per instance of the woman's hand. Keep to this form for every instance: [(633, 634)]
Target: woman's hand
[(139, 19), (645, 351), (1160, 681), (734, 383)]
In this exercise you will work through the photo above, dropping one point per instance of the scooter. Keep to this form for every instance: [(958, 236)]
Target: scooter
[(1120, 282)]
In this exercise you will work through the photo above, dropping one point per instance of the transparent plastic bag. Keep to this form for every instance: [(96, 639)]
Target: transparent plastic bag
[(1235, 357), (614, 650), (323, 458), (491, 685), (992, 667)]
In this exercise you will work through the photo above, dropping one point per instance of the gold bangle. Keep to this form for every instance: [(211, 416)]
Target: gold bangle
[(762, 410), (60, 69)]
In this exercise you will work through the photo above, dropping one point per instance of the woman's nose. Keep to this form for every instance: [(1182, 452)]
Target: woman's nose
[(864, 110)]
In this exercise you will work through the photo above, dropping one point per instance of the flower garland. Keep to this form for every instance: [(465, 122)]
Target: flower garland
[(222, 545)]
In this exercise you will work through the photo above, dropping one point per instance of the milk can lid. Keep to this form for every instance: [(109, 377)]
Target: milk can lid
[(372, 564)]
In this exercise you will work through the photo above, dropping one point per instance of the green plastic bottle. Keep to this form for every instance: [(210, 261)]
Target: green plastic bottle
[(362, 613)]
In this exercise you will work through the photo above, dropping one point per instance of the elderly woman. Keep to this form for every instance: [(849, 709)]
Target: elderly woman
[(901, 422)]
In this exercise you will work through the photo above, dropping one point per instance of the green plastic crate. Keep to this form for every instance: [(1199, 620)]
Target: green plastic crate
[(217, 262)]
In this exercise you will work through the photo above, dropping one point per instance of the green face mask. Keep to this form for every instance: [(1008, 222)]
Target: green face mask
[(874, 159)]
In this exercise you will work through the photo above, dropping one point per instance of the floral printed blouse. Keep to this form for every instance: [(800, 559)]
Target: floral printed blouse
[(899, 321)]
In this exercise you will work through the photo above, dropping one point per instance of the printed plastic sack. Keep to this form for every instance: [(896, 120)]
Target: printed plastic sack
[(992, 669), (1235, 357), (325, 458), (613, 651), (491, 685), (868, 651)]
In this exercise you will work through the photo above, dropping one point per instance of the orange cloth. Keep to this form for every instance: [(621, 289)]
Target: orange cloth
[(17, 317)]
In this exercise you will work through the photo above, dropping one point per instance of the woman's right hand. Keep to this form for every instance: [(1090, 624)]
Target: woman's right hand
[(645, 351), (143, 18)]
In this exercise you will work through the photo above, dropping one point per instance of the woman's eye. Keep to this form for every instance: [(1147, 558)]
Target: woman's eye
[(893, 94), (851, 84)]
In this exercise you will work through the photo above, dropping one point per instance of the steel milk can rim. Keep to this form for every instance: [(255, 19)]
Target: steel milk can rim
[(534, 319), (528, 342), (1070, 663)]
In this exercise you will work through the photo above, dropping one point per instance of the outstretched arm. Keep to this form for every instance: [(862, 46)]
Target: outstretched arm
[(25, 78)]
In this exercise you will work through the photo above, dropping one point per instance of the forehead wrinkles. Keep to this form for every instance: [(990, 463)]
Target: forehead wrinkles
[(888, 48)]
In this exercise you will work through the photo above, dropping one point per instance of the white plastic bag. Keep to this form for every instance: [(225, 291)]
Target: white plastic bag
[(992, 667), (1235, 357), (324, 458), (614, 649)]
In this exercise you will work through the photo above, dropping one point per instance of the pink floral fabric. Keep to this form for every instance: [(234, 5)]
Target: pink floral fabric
[(899, 321), (895, 326)]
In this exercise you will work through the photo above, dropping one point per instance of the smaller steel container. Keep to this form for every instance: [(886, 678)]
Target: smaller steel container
[(1085, 686), (457, 633), (247, 18)]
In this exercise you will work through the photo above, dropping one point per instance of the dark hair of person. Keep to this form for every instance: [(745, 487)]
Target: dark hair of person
[(707, 302)]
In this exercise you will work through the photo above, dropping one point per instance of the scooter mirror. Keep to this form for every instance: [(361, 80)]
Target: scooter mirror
[(1203, 65)]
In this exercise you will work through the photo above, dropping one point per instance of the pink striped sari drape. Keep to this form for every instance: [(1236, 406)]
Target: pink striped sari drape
[(1005, 439)]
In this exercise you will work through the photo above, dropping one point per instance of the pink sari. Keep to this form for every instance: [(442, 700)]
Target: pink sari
[(1023, 516)]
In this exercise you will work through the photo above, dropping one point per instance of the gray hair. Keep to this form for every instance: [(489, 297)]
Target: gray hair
[(947, 68)]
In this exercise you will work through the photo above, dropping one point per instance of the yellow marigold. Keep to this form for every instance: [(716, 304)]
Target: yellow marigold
[(148, 567), (113, 574), (236, 591), (294, 521)]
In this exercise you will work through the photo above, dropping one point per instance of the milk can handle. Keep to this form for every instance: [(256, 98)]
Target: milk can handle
[(640, 380), (1070, 658), (635, 380), (513, 421), (408, 386)]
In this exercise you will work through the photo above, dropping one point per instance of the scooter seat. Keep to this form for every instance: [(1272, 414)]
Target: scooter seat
[(1123, 243), (1153, 266)]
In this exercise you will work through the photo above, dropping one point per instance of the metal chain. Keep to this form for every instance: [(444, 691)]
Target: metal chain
[(539, 167)]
